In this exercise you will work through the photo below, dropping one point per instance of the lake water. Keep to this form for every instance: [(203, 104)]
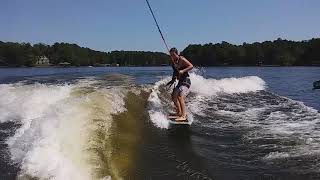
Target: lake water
[(110, 122)]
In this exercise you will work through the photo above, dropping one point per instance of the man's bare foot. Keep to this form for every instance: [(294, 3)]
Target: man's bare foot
[(181, 118), (173, 115)]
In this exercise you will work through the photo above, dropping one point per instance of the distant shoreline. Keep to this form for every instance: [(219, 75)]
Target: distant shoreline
[(43, 67), (279, 52)]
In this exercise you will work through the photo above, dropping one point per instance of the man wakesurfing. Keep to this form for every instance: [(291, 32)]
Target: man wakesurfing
[(181, 66)]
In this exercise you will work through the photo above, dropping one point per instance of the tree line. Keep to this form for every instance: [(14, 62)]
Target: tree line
[(279, 52), (25, 54)]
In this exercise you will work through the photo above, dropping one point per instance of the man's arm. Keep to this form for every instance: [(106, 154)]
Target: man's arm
[(188, 65)]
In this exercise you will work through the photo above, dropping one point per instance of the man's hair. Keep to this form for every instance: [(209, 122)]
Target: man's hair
[(174, 50)]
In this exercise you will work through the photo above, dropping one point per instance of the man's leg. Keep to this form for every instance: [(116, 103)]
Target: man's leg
[(183, 114), (176, 103)]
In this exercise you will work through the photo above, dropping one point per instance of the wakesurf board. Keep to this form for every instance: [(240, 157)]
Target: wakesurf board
[(172, 120)]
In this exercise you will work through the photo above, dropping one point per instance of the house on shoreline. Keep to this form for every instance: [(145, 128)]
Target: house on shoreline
[(43, 61)]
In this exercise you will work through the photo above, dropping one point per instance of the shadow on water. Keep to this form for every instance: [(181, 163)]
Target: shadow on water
[(189, 164), (169, 154)]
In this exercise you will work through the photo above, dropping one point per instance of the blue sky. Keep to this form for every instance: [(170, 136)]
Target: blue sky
[(108, 25)]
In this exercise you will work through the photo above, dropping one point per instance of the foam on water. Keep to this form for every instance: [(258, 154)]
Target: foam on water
[(57, 123), (210, 87), (156, 109), (289, 127), (201, 89), (276, 155), (298, 124)]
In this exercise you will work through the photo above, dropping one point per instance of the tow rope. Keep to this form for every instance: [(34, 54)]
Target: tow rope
[(155, 20)]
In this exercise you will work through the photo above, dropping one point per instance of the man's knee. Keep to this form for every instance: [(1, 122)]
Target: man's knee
[(180, 96), (174, 97)]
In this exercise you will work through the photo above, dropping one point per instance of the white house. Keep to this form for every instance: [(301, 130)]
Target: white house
[(43, 60)]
